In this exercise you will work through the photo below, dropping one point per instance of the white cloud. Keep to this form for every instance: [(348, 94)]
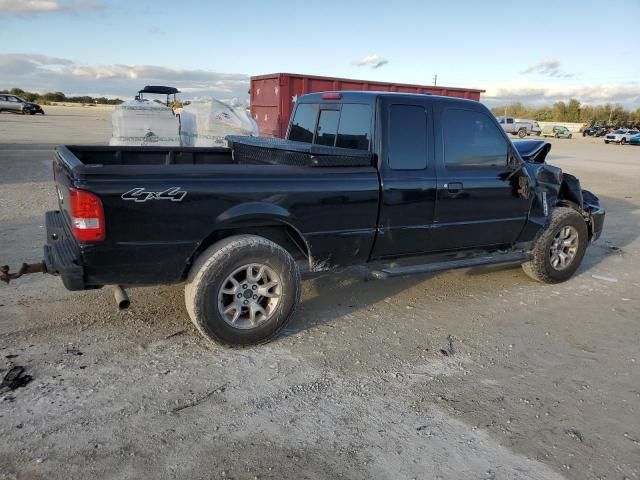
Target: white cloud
[(547, 67), (373, 61), (37, 7), (41, 73), (536, 94)]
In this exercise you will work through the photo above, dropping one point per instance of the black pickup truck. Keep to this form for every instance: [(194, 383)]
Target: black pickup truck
[(362, 178)]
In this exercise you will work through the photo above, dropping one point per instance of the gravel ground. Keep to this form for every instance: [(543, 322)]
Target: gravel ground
[(544, 382)]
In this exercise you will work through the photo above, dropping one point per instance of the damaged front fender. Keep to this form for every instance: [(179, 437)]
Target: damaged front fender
[(551, 187)]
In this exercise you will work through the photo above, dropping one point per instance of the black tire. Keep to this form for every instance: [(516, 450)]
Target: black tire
[(539, 267), (557, 135), (211, 270), (522, 132), (570, 135), (623, 141), (607, 142)]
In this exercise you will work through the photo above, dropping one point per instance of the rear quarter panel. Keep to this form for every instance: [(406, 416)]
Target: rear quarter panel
[(334, 209)]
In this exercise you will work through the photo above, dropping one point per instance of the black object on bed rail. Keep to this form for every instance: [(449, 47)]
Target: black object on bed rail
[(261, 150)]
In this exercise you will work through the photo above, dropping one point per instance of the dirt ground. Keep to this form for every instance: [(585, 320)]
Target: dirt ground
[(544, 382)]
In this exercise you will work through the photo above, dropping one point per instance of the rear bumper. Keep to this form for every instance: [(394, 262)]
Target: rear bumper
[(61, 253)]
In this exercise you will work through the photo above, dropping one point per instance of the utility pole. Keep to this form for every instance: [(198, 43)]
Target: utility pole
[(435, 79)]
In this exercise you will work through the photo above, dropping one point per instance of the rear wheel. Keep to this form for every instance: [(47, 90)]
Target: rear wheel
[(623, 141), (558, 251), (607, 142), (242, 290), (570, 135), (522, 132)]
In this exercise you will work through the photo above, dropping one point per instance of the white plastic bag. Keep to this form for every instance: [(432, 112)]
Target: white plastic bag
[(206, 123), (144, 123)]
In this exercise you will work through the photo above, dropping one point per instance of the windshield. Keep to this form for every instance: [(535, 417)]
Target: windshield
[(619, 131)]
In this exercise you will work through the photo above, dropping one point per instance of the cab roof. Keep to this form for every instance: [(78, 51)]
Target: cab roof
[(371, 96)]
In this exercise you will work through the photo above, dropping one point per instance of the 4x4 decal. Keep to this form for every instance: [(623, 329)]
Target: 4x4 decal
[(173, 194)]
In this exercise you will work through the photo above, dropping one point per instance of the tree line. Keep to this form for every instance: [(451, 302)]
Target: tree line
[(50, 97), (572, 111)]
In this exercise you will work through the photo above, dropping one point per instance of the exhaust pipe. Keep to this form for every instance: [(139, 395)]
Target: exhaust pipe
[(122, 299)]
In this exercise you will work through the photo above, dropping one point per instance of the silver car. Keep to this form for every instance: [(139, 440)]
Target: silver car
[(620, 136), (15, 104)]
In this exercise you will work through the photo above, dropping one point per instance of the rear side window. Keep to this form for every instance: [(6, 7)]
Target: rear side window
[(354, 130), (304, 122), (471, 139), (327, 127), (348, 127), (407, 137)]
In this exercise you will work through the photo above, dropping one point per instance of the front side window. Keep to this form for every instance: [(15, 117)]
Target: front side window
[(471, 139), (304, 123), (407, 137)]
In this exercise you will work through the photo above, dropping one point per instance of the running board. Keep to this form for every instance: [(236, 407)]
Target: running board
[(476, 261)]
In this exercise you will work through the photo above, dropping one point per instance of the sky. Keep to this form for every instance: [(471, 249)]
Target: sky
[(536, 53)]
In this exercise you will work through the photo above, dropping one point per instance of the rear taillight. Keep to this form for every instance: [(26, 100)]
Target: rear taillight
[(331, 96), (87, 216)]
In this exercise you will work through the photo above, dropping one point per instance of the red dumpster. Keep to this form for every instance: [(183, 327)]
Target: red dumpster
[(273, 95)]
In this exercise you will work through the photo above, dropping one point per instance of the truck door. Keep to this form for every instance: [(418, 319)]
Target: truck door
[(408, 178), (478, 205)]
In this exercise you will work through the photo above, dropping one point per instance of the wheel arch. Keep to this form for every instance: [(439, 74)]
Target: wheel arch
[(261, 219)]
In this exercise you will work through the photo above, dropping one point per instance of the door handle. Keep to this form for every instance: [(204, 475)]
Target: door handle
[(455, 187)]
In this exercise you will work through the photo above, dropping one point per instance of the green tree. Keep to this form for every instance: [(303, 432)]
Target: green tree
[(544, 114), (560, 112), (54, 97), (573, 111)]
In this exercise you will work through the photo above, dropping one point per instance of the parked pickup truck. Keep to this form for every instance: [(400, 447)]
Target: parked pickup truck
[(362, 178), (514, 127)]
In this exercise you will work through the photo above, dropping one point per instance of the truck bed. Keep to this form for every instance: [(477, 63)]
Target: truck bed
[(242, 150), (163, 205)]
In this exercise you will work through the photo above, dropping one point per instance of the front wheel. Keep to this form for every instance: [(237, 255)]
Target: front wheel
[(242, 290), (570, 135), (558, 251), (623, 141), (607, 142)]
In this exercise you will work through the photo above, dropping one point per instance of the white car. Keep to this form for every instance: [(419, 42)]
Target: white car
[(621, 136)]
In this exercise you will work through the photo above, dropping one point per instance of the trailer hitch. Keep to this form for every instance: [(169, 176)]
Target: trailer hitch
[(25, 269)]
